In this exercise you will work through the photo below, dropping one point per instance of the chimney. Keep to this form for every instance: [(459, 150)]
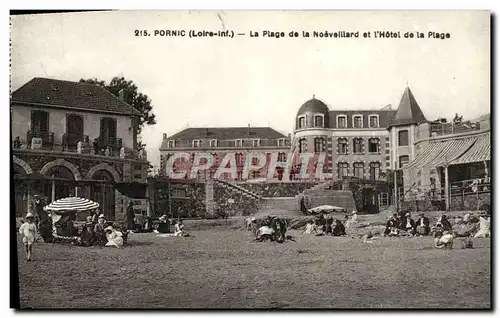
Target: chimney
[(164, 136), (121, 95)]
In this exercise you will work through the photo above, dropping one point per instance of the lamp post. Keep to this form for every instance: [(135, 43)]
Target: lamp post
[(53, 189)]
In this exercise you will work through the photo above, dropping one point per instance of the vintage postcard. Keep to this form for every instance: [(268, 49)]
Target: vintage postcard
[(251, 159)]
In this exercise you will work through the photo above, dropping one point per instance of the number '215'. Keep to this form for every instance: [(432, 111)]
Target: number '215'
[(141, 33)]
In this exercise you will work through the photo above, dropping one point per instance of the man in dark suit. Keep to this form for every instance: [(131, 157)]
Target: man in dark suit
[(423, 227)]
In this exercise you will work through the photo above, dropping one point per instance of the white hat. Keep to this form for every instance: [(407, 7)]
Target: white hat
[(30, 215), (407, 214), (354, 212), (109, 228), (101, 216)]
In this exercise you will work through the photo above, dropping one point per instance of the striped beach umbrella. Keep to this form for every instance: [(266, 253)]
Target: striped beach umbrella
[(72, 204)]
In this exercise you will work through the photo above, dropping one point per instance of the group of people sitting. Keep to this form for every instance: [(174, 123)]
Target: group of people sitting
[(326, 225), (97, 231), (164, 226), (402, 224)]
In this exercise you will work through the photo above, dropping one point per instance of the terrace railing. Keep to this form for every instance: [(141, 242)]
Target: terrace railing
[(70, 141), (47, 138), (473, 186)]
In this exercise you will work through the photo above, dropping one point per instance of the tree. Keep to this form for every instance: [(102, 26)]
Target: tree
[(139, 101)]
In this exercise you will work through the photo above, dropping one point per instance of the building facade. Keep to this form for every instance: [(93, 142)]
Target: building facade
[(74, 139), (357, 142), (220, 141)]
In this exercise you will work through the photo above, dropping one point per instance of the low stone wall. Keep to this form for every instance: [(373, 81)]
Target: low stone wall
[(277, 189), (470, 201), (230, 202)]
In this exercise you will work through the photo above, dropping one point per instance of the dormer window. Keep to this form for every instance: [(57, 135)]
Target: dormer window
[(341, 121), (281, 142), (357, 121), (373, 122), (319, 120), (196, 143), (302, 122), (256, 142), (238, 142), (171, 144), (213, 143)]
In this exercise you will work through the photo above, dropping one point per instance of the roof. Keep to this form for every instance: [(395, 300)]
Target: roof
[(48, 92), (480, 151), (385, 117), (408, 111), (314, 106), (449, 151), (225, 133)]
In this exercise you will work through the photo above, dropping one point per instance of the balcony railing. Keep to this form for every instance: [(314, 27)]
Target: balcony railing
[(72, 140), (47, 138), (111, 142), (70, 143)]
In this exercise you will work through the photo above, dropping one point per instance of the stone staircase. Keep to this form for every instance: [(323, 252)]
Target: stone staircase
[(280, 206), (236, 188), (319, 186), (343, 199)]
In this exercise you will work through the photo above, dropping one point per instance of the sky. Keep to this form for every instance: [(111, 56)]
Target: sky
[(262, 81)]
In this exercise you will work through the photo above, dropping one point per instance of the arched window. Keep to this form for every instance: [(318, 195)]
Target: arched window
[(359, 170), (319, 144), (302, 122), (374, 145), (357, 145), (374, 170), (403, 160), (342, 146), (318, 121), (302, 146), (343, 169)]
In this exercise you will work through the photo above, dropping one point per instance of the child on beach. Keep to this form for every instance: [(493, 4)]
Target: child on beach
[(28, 231)]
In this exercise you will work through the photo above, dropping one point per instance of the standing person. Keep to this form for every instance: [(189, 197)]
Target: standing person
[(28, 231), (130, 217), (95, 216)]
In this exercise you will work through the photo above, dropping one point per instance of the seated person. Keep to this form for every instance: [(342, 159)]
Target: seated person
[(99, 230), (179, 229), (164, 225), (410, 225), (390, 226), (87, 236), (114, 237), (310, 227), (339, 229), (329, 225), (423, 225)]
